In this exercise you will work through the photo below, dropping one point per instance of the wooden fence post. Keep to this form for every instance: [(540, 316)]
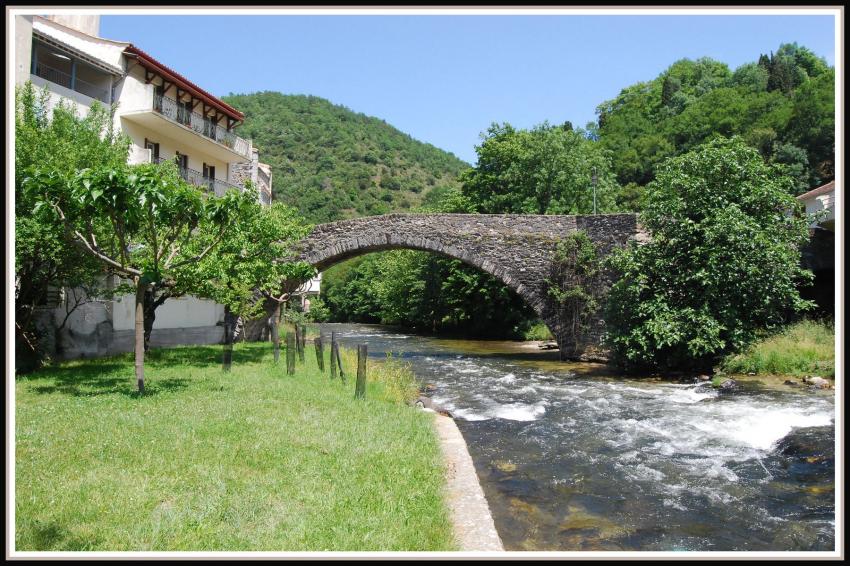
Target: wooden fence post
[(290, 353), (360, 387), (333, 359), (320, 353), (299, 339), (335, 354)]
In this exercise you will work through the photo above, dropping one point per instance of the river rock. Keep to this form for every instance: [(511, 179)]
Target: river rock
[(817, 381), (704, 377), (548, 346), (790, 383), (728, 385), (428, 404)]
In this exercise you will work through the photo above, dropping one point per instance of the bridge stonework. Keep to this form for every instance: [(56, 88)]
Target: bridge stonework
[(516, 249)]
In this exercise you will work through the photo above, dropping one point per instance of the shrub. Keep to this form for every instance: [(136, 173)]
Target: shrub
[(723, 261)]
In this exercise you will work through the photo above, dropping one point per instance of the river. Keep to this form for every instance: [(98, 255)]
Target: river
[(572, 457)]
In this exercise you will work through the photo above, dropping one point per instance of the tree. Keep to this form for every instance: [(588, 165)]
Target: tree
[(138, 221), (252, 263), (56, 140), (545, 170), (723, 261), (812, 123)]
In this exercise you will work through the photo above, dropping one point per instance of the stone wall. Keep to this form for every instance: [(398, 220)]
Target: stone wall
[(516, 249)]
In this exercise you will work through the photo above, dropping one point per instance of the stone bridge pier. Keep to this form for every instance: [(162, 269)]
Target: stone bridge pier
[(516, 249)]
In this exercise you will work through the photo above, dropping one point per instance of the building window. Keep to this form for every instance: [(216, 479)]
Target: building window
[(154, 147), (182, 160)]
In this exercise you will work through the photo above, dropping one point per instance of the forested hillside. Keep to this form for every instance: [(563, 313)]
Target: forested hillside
[(783, 105), (333, 163)]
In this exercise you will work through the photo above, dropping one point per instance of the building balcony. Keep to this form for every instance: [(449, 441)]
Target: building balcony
[(214, 186), (191, 128), (71, 82)]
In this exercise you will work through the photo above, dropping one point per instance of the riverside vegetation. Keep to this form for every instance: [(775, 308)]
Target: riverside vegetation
[(205, 460)]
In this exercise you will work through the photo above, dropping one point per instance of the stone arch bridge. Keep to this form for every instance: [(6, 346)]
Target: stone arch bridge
[(517, 249)]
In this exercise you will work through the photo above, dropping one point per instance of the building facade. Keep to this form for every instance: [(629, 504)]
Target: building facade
[(819, 253), (167, 117)]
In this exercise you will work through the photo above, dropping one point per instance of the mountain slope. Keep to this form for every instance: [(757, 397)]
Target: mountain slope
[(783, 105), (333, 163)]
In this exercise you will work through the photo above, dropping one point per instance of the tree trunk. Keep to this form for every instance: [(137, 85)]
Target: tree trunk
[(229, 324), (276, 331), (152, 302), (150, 316), (141, 288)]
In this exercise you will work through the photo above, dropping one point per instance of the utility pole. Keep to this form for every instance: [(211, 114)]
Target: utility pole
[(593, 180)]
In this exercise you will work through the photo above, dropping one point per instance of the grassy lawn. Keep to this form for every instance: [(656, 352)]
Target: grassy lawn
[(804, 348), (249, 460)]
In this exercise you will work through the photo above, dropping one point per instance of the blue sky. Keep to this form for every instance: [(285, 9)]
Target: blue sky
[(444, 79)]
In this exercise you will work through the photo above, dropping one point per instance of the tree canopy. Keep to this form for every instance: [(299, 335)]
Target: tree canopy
[(783, 105), (723, 261), (56, 138), (545, 170)]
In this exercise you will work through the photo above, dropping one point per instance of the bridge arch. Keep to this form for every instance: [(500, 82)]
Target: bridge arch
[(516, 249), (380, 242)]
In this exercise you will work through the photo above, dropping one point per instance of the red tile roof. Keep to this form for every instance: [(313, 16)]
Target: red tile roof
[(150, 63), (822, 190)]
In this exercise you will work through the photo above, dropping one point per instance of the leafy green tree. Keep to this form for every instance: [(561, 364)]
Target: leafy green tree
[(56, 139), (751, 77), (723, 261), (545, 170), (253, 263), (138, 221), (811, 123), (796, 164)]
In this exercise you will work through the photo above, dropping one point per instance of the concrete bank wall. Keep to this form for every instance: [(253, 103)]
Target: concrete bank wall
[(473, 523)]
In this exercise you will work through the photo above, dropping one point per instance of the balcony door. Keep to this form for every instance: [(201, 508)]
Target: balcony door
[(186, 112), (209, 177), (158, 93), (183, 163), (209, 126)]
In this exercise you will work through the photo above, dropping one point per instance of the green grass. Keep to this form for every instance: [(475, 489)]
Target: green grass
[(804, 348), (205, 460)]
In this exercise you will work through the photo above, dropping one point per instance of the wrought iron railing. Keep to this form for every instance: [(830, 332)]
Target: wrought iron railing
[(215, 186), (73, 83), (200, 123)]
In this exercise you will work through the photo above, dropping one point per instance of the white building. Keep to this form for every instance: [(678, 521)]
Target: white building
[(821, 201), (166, 116)]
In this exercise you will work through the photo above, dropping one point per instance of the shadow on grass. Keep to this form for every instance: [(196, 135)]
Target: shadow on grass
[(52, 536), (104, 379), (206, 356), (115, 375)]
